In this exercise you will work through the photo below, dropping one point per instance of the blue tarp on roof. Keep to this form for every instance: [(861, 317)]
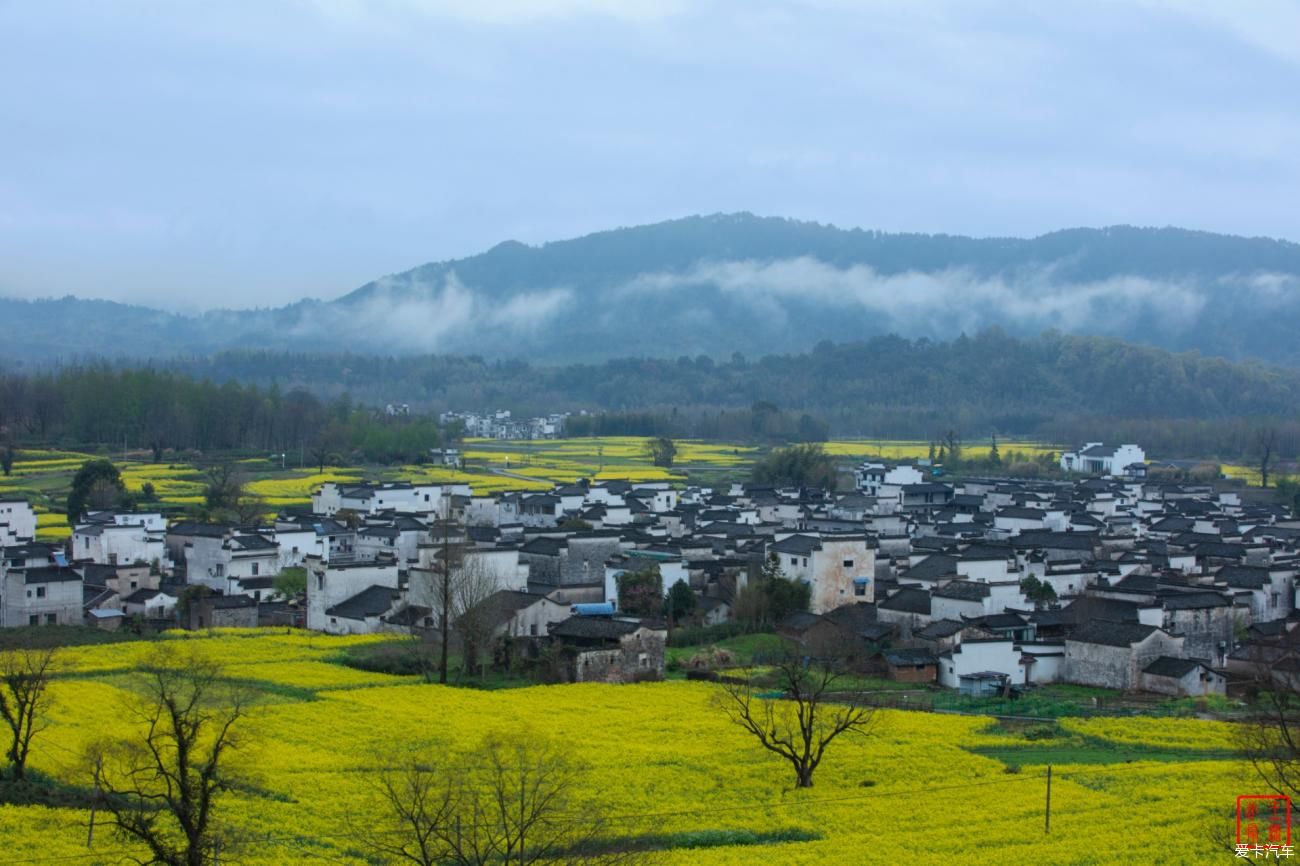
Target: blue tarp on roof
[(603, 608)]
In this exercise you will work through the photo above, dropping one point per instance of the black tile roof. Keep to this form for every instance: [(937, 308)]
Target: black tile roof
[(372, 601), (593, 628), (48, 574), (964, 590), (1169, 666), (908, 600), (1107, 633)]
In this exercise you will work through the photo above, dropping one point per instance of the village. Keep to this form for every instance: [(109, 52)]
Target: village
[(986, 586)]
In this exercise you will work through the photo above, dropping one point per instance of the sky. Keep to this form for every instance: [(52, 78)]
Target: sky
[(249, 153)]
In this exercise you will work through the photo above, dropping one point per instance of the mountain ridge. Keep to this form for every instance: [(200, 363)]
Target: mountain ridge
[(720, 283)]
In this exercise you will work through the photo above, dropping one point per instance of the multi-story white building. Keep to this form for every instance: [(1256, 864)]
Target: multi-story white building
[(841, 569), (49, 595)]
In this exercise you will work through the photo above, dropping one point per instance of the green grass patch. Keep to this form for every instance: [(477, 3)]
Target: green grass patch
[(38, 789), (696, 839), (1074, 752)]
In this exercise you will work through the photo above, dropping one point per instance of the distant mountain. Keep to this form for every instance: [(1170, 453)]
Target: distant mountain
[(715, 285)]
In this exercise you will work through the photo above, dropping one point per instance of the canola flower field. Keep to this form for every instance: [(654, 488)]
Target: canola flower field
[(659, 756)]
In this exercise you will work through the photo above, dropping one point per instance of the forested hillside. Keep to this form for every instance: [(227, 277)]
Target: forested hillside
[(1057, 387)]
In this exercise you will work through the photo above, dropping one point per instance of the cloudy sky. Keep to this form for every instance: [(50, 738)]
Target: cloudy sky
[(252, 152)]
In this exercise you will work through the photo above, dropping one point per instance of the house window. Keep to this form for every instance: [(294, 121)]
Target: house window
[(794, 560), (532, 629), (221, 569), (34, 619), (334, 621), (255, 569), (848, 563), (320, 582), (51, 619), (859, 589), (1272, 600), (40, 592)]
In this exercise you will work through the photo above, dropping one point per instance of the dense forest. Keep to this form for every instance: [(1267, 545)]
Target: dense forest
[(166, 411), (1055, 387)]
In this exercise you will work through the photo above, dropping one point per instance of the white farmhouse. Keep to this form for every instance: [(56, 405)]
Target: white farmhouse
[(872, 477), (1095, 458)]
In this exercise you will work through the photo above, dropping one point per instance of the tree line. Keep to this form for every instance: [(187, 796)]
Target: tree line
[(164, 410), (1054, 387)]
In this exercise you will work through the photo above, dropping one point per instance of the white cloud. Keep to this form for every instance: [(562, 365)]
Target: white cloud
[(418, 317), (958, 298)]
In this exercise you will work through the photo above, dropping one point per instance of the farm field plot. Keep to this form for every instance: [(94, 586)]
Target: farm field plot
[(661, 759), (900, 449)]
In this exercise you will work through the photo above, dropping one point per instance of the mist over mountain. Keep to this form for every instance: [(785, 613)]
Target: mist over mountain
[(715, 285)]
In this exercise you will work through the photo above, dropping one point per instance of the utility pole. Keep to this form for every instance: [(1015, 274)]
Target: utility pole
[(1047, 818)]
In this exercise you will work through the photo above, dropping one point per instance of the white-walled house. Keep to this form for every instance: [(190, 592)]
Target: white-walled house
[(218, 562), (840, 568), (1114, 654), (367, 499), (17, 522), (872, 477), (1096, 458), (150, 603), (117, 543), (50, 595), (330, 584), (980, 665), (972, 598)]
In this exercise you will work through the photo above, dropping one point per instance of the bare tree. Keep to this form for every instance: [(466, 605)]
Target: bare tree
[(25, 673), (509, 800), (161, 788), (419, 799), (1271, 738), (1265, 446), (227, 496), (1268, 738), (801, 725), (444, 595), (474, 587)]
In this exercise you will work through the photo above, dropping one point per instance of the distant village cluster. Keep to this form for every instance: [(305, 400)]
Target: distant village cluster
[(501, 425), (979, 584)]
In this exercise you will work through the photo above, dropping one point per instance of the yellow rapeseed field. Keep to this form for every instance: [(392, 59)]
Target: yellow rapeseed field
[(896, 449), (661, 759)]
